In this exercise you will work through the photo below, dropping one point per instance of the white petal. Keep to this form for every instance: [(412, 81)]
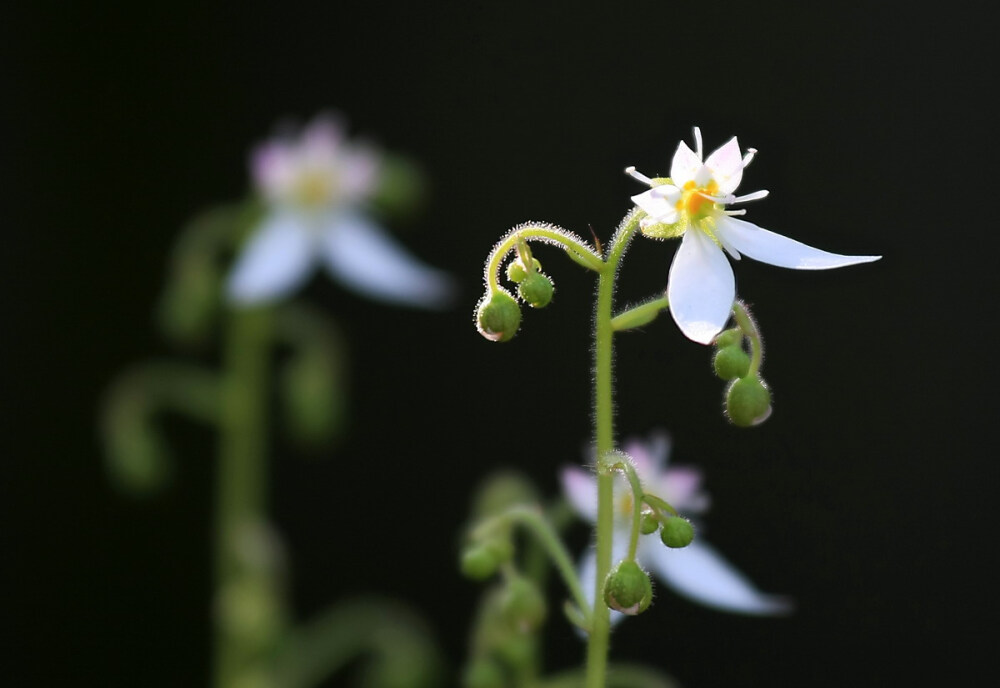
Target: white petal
[(588, 569), (658, 205), (700, 573), (365, 258), (685, 165), (580, 488), (727, 166), (700, 287), (775, 249), (276, 260)]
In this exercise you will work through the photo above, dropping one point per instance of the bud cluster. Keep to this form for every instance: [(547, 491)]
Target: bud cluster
[(748, 401), (498, 315)]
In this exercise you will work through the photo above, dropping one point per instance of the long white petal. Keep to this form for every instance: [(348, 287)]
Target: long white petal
[(275, 261), (580, 488), (700, 288), (700, 573), (588, 568), (365, 258), (660, 207), (726, 164), (775, 249)]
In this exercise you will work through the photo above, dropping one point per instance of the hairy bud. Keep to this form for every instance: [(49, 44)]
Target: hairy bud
[(536, 290), (731, 362), (677, 532), (748, 402), (627, 589), (498, 316)]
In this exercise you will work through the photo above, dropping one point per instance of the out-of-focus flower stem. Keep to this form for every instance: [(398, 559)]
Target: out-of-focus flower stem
[(597, 647), (241, 483)]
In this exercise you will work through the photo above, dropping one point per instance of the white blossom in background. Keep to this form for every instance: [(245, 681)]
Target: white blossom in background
[(697, 571), (316, 185), (692, 202)]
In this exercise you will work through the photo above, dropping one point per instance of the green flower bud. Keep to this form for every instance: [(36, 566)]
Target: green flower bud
[(498, 316), (731, 362), (648, 523), (523, 605), (677, 532), (748, 402), (481, 560), (627, 589), (483, 673), (733, 337), (536, 289), (516, 271)]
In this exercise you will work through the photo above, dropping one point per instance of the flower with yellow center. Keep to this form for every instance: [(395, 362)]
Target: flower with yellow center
[(316, 185), (691, 203)]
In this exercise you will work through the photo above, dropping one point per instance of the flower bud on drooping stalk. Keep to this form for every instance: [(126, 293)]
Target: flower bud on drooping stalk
[(677, 532), (498, 316), (627, 589), (748, 402)]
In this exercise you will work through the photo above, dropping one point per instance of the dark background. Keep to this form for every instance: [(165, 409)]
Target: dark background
[(867, 496)]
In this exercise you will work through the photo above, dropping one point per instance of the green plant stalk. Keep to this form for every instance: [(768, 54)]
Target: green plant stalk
[(242, 474), (597, 646)]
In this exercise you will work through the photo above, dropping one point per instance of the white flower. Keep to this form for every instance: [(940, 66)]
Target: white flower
[(315, 186), (697, 571), (692, 202)]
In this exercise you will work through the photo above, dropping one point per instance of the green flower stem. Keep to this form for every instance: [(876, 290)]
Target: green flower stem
[(575, 247), (659, 504), (543, 531), (626, 467), (640, 315), (597, 646), (241, 479), (749, 327), (619, 676)]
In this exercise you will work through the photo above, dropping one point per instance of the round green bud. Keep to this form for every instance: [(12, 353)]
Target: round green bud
[(627, 589), (677, 532), (516, 271), (481, 560), (731, 362), (498, 316), (748, 402), (732, 337), (483, 673), (536, 290), (648, 523), (523, 605)]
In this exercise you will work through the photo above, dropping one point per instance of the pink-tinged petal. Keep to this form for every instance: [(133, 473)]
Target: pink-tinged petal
[(323, 137), (365, 258), (649, 456), (685, 165), (272, 166), (580, 488), (700, 573), (700, 287), (658, 204), (360, 172), (681, 487), (726, 164), (276, 260), (775, 249)]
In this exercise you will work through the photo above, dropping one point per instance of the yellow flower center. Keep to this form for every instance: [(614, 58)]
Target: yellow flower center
[(315, 188), (694, 204)]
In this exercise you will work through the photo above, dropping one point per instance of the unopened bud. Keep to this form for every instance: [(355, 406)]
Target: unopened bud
[(536, 290), (731, 337), (731, 362), (677, 532), (498, 316), (627, 589), (516, 270), (648, 523), (748, 402), (523, 604), (481, 560), (483, 673)]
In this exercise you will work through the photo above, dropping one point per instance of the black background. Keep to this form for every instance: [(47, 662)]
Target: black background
[(866, 496)]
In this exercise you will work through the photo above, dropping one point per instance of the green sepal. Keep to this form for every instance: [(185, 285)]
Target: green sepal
[(498, 316), (523, 605), (731, 362), (628, 589), (748, 402), (536, 290)]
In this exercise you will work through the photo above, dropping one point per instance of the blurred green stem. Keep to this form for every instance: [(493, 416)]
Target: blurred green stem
[(241, 482)]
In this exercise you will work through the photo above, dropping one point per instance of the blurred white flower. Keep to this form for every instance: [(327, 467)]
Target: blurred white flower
[(701, 287), (697, 571), (315, 186)]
